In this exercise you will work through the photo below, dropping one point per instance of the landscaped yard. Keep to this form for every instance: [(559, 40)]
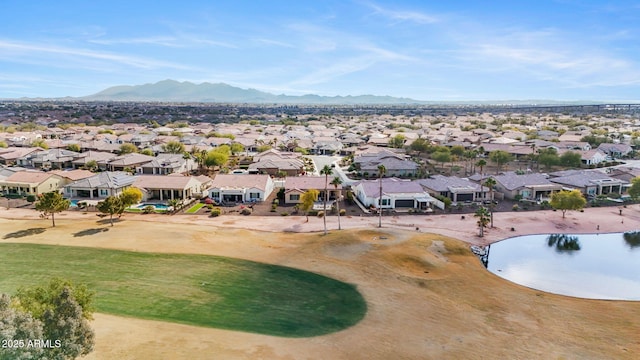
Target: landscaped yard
[(194, 209), (202, 290)]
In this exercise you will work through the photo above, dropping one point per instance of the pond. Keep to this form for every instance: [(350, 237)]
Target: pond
[(594, 266)]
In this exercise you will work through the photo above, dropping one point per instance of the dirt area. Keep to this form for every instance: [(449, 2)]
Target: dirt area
[(427, 296)]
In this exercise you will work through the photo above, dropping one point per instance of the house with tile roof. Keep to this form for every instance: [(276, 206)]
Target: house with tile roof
[(232, 188), (528, 187), (165, 164), (590, 183), (31, 183), (396, 194), (395, 164), (164, 188), (294, 187), (99, 186), (455, 188)]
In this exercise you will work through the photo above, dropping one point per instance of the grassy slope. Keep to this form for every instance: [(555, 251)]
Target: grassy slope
[(192, 289)]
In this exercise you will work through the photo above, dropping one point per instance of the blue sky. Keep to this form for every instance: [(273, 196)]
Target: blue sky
[(425, 50)]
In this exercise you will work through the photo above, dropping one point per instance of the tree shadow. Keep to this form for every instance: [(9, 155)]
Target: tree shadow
[(108, 222), (23, 233), (88, 232)]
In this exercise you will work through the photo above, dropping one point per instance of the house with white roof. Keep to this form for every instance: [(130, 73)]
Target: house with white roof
[(232, 188), (396, 194), (164, 188)]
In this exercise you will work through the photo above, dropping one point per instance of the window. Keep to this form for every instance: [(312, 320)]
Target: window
[(386, 202), (254, 195), (104, 192), (215, 194), (294, 197)]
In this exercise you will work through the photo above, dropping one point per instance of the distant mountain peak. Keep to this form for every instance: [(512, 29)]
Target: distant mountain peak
[(175, 91)]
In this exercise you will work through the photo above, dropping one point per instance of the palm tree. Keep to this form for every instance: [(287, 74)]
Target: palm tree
[(490, 183), (483, 218), (481, 164), (335, 182), (326, 171), (381, 171)]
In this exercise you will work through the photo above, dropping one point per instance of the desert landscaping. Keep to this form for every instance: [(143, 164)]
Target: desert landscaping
[(427, 295)]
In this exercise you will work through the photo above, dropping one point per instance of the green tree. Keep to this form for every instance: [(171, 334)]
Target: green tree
[(483, 219), (397, 141), (441, 157), (326, 171), (420, 145), (337, 182), (3, 144), (481, 164), (16, 324), (111, 205), (548, 157), (490, 183), (91, 165), (51, 203), (236, 148), (307, 200), (568, 200), (634, 190), (500, 157), (73, 147), (457, 150), (147, 151), (215, 158), (173, 147), (39, 143), (130, 196), (127, 149), (64, 311), (571, 159)]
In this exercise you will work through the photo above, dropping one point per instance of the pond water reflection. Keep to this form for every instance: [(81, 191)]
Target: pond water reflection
[(604, 266)]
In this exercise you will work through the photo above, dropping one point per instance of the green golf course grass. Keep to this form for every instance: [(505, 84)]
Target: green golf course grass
[(201, 290)]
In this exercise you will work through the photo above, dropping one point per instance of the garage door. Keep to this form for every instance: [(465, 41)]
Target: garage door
[(404, 203)]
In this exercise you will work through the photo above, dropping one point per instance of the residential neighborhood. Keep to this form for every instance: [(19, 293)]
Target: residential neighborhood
[(405, 163)]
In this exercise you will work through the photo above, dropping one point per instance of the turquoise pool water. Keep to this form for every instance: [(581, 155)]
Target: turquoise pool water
[(156, 206), (594, 266)]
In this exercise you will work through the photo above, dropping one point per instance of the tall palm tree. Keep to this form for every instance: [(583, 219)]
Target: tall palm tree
[(483, 218), (336, 182), (481, 164), (490, 183), (326, 171), (381, 171)]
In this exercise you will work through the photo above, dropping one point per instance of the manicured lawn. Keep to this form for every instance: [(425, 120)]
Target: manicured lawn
[(194, 209), (199, 290)]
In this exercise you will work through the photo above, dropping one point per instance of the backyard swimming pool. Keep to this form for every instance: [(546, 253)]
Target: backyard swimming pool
[(156, 206), (594, 266)]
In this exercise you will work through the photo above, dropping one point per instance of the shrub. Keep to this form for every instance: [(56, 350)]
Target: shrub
[(515, 207), (343, 212), (31, 198), (149, 210), (320, 214), (285, 214), (245, 211), (545, 205), (276, 202), (215, 212)]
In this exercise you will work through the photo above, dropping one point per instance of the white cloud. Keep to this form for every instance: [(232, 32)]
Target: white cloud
[(404, 15), (12, 50)]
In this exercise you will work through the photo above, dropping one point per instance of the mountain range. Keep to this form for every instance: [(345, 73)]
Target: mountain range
[(175, 91)]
